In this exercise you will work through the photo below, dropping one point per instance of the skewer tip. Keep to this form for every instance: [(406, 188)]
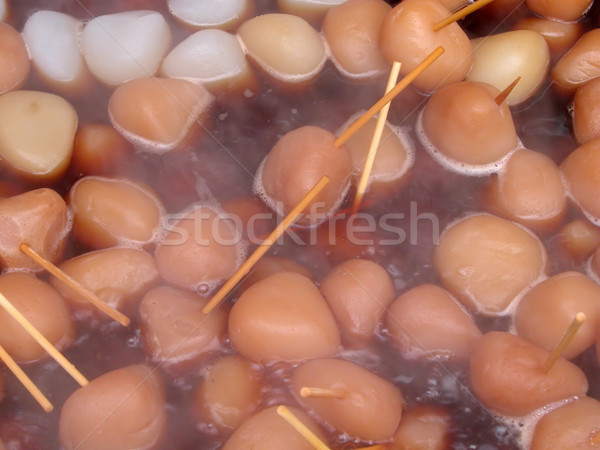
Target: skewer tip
[(306, 392), (25, 381), (48, 408), (564, 342), (502, 96)]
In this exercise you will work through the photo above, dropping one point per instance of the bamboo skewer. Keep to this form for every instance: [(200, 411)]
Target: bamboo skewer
[(506, 92), (92, 298), (461, 13), (402, 84), (45, 343), (322, 393), (564, 342), (25, 380), (366, 172), (265, 245), (290, 418)]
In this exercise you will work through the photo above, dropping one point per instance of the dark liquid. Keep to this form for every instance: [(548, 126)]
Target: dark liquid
[(247, 127)]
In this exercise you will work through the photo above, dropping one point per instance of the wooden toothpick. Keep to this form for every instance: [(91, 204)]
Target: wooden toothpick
[(306, 392), (311, 437), (25, 380), (265, 245), (461, 13), (564, 342), (45, 343), (62, 276), (381, 119)]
